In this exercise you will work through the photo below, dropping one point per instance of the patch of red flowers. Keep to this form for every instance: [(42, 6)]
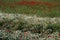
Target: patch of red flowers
[(33, 3)]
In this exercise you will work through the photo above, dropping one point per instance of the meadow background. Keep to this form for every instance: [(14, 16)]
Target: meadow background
[(41, 8), (29, 19)]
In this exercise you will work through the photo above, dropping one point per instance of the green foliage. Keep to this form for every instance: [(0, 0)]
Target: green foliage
[(53, 27), (36, 28), (21, 26)]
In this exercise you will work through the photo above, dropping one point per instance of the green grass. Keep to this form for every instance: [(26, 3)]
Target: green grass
[(42, 11)]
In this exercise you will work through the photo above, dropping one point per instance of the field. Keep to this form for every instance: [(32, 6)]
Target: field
[(40, 8), (29, 19)]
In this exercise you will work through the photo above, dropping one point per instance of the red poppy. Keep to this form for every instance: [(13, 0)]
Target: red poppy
[(25, 33), (20, 37), (32, 3), (49, 36), (58, 34), (7, 30)]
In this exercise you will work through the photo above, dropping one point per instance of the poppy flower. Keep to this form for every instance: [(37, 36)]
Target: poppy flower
[(25, 33), (58, 34), (32, 3), (49, 36), (7, 30)]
